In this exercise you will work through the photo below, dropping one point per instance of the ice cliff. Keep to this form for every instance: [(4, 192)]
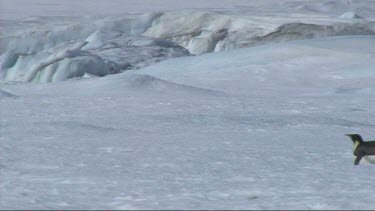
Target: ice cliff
[(111, 45)]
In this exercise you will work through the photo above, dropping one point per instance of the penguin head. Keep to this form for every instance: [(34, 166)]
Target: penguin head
[(355, 137)]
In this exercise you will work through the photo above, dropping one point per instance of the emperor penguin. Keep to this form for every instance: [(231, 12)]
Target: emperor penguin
[(361, 148)]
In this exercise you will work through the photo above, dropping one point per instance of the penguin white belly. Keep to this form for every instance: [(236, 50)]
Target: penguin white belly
[(369, 159)]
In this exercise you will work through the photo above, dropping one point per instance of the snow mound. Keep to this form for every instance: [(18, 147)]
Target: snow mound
[(350, 15), (4, 94), (231, 71), (125, 82), (142, 81), (355, 91)]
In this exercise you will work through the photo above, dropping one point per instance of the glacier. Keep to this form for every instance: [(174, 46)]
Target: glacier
[(131, 41), (75, 51)]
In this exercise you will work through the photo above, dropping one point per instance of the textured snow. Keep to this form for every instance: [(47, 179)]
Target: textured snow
[(260, 127), (255, 128)]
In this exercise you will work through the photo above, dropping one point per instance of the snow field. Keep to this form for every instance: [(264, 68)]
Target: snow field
[(158, 138)]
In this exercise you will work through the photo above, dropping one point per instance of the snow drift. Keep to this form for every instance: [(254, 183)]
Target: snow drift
[(291, 65)]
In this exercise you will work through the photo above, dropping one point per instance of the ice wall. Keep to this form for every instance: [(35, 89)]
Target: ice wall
[(113, 45), (95, 49), (204, 32)]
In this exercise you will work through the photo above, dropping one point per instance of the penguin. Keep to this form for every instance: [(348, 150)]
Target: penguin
[(361, 148)]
